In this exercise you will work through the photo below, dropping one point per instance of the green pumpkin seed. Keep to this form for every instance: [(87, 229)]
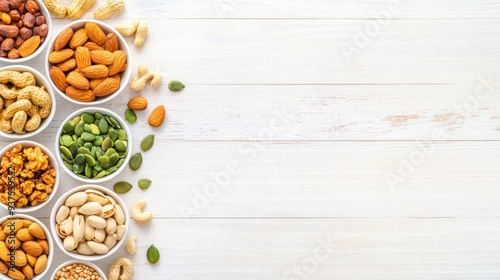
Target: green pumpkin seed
[(135, 161), (104, 161), (113, 158), (75, 137), (153, 254), (68, 165), (83, 150), (79, 129), (73, 148), (98, 140), (66, 140), (66, 159), (113, 134), (65, 151), (144, 183), (122, 135), (101, 174), (113, 122), (147, 142), (103, 126), (122, 187), (89, 160), (120, 162), (88, 145), (106, 144), (87, 136), (175, 85), (123, 154), (87, 118), (97, 115), (79, 159), (110, 151), (97, 166), (78, 168), (88, 171), (120, 146), (92, 128), (130, 116), (69, 127)]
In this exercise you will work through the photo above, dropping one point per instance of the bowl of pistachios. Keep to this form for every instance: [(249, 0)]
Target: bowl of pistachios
[(93, 145)]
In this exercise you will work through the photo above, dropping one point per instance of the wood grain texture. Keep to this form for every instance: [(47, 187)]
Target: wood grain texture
[(307, 123)]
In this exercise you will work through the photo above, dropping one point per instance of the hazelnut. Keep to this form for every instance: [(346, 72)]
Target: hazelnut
[(4, 6), (14, 15), (32, 6), (14, 4), (13, 54), (7, 44), (39, 20), (3, 53), (25, 33), (29, 20), (19, 41), (19, 23), (41, 30)]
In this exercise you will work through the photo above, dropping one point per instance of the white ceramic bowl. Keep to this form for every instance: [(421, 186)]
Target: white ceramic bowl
[(104, 112), (47, 238), (41, 81), (42, 46), (53, 162), (125, 75), (87, 263), (61, 201)]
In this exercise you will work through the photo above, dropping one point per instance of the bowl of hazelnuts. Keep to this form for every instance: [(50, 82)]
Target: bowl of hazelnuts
[(25, 26)]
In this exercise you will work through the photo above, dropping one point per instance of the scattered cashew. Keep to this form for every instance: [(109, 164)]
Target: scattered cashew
[(140, 28), (139, 83), (139, 216), (131, 247), (78, 7), (141, 34), (57, 9), (123, 265), (110, 8)]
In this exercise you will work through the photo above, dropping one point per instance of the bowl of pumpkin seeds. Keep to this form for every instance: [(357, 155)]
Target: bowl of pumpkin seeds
[(93, 145)]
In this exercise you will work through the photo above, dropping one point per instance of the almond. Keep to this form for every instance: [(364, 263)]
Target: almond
[(45, 245), (67, 65), (93, 46), (29, 46), (77, 80), (95, 82), (117, 78), (111, 43), (102, 57), (83, 95), (32, 248), (60, 55), (24, 235), (15, 274), (82, 57), (95, 71), (95, 33), (63, 38), (119, 64), (107, 87), (37, 231), (20, 258), (157, 116), (59, 78), (4, 252), (41, 264), (78, 39), (18, 224), (137, 103), (28, 272)]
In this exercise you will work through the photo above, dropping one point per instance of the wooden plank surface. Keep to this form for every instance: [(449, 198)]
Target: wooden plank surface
[(369, 126)]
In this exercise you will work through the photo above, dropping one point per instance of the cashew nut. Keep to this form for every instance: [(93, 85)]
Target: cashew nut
[(139, 83), (131, 247), (122, 265), (139, 216)]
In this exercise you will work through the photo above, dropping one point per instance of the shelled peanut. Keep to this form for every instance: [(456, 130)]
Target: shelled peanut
[(87, 63), (23, 104), (22, 28)]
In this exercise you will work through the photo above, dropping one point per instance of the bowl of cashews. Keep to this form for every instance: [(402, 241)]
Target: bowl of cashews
[(27, 102)]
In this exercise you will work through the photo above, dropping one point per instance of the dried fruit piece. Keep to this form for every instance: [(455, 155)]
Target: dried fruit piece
[(122, 187), (153, 254), (147, 142), (175, 85)]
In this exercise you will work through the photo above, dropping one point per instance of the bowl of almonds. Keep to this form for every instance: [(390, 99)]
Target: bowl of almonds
[(89, 222), (87, 62), (25, 26), (27, 102), (28, 240), (74, 269)]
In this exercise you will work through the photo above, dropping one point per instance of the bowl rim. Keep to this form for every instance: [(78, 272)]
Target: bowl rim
[(48, 20), (88, 263), (124, 79), (107, 177), (48, 237), (55, 165), (40, 79), (61, 200)]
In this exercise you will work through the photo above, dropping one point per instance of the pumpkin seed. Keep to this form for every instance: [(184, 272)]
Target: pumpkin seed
[(135, 161), (87, 136), (66, 140), (147, 142), (87, 118), (79, 159), (69, 127), (122, 187), (153, 254), (144, 183), (175, 85), (120, 146), (79, 129), (113, 122), (122, 135), (65, 151), (89, 160), (130, 116)]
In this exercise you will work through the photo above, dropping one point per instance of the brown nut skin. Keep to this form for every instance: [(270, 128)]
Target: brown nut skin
[(19, 41), (39, 20), (9, 31), (41, 30), (13, 54), (15, 4), (4, 6), (14, 15), (29, 20), (7, 44), (31, 6), (25, 33)]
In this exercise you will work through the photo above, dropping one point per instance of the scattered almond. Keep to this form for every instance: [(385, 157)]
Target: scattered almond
[(137, 103), (157, 116)]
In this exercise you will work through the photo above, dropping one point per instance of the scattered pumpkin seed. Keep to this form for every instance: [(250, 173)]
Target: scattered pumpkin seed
[(153, 254), (147, 142), (135, 161), (122, 187), (175, 85), (144, 183), (130, 116)]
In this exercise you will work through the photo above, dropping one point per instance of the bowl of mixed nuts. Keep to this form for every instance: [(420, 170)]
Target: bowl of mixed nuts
[(25, 26), (93, 145), (89, 222), (74, 269), (27, 102), (87, 62), (28, 176), (33, 248)]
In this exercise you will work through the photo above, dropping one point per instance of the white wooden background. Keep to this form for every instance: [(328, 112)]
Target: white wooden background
[(349, 139)]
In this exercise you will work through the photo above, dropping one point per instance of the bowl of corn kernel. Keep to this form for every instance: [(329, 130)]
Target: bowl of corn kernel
[(28, 176)]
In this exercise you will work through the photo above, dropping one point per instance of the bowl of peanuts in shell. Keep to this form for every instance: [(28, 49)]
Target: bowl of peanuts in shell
[(24, 31), (27, 102), (75, 269), (33, 248), (29, 176), (87, 62)]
